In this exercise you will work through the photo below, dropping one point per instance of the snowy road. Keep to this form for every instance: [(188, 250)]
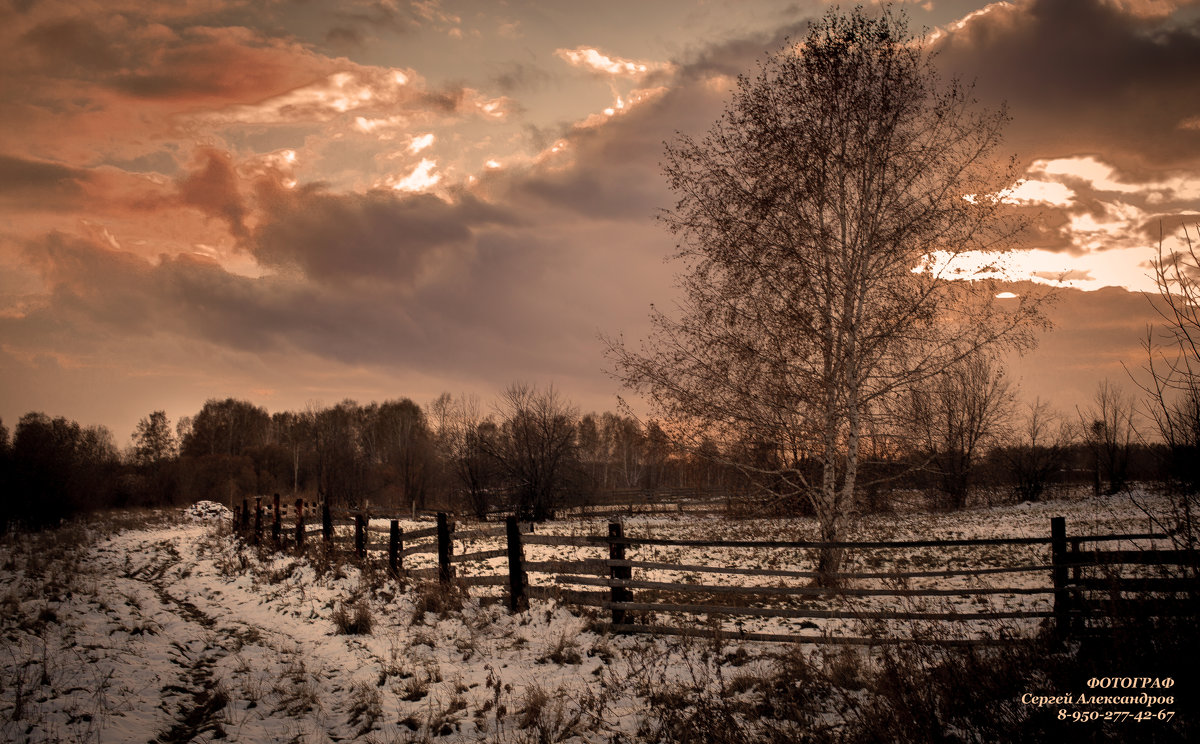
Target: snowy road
[(173, 635)]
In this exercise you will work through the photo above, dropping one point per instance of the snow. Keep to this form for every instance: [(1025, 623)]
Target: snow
[(173, 631), (207, 511)]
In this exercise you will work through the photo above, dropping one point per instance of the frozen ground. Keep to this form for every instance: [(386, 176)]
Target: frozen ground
[(167, 631)]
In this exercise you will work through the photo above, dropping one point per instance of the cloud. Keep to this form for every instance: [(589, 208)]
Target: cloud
[(606, 167), (35, 184), (422, 177), (139, 57), (1149, 8), (1048, 193), (420, 142), (1086, 77), (355, 22), (344, 36), (334, 95), (74, 43), (1102, 224), (86, 85), (1096, 335), (213, 189), (509, 278), (99, 293), (516, 77), (498, 315), (380, 236), (374, 99), (595, 61)]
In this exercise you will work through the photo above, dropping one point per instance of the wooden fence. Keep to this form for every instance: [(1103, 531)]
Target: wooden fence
[(1076, 599), (1092, 589), (622, 501)]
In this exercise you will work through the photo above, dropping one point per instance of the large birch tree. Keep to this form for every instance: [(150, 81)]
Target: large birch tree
[(822, 224)]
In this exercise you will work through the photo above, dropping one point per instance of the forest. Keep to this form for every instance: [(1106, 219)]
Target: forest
[(962, 439)]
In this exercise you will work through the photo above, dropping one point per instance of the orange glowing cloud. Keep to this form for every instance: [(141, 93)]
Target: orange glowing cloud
[(596, 61)]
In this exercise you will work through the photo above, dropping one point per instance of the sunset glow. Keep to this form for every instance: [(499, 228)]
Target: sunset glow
[(330, 200)]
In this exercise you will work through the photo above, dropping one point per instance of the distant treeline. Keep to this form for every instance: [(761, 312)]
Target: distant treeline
[(531, 451)]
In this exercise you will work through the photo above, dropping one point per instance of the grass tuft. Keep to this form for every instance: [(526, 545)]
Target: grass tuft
[(353, 620)]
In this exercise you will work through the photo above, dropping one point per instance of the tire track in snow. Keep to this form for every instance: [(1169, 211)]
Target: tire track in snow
[(199, 705)]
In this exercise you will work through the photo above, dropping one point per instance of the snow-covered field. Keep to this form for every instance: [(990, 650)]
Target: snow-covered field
[(169, 631)]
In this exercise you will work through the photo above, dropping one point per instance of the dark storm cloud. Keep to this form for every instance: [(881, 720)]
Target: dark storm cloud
[(230, 64), (74, 43), (1157, 226), (738, 56), (35, 184), (380, 235), (213, 189), (88, 284), (609, 182), (140, 57), (1081, 76), (97, 291), (344, 36), (480, 320)]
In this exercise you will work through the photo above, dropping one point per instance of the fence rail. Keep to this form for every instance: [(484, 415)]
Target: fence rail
[(1080, 601)]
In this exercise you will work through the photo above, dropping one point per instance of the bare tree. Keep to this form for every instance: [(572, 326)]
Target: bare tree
[(593, 450), (341, 464), (1174, 359), (627, 445), (951, 417), (536, 446), (1108, 431), (466, 438), (1039, 452), (292, 432), (822, 221), (1173, 393), (405, 447)]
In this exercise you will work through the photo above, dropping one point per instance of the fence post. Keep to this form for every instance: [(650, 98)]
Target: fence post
[(517, 601), (245, 515), (237, 519), (394, 543), (326, 523), (257, 519), (616, 552), (276, 524), (1058, 549), (444, 548), (299, 525), (360, 535)]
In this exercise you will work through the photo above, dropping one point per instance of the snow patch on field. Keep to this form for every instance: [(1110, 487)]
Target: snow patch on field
[(175, 632), (207, 511)]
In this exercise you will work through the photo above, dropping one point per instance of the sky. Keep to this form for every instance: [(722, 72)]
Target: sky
[(295, 202)]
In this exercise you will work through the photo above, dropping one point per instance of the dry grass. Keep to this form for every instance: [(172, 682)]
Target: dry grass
[(436, 599), (355, 619)]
